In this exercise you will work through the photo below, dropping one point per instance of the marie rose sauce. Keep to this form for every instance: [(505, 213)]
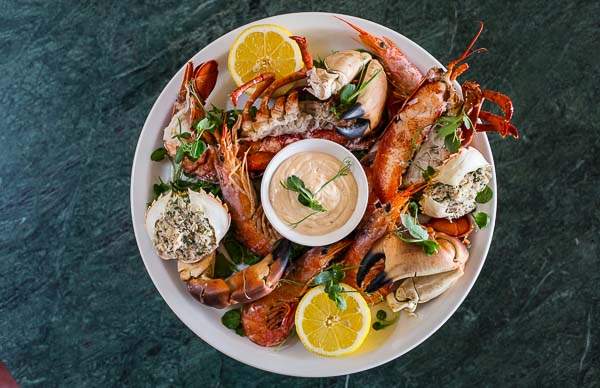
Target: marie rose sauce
[(339, 197)]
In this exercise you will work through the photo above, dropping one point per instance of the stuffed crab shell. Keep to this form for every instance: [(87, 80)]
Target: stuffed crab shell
[(187, 226), (454, 187)]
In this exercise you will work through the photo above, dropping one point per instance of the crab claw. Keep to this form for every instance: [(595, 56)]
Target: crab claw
[(356, 130), (368, 109), (404, 260), (245, 286), (372, 257), (281, 256)]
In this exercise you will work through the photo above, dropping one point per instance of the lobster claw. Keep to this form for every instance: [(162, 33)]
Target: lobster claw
[(474, 98)]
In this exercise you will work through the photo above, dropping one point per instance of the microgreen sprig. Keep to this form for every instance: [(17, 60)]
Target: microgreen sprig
[(382, 321), (305, 196), (482, 219), (418, 234), (330, 279), (448, 129), (308, 198), (342, 171), (349, 94)]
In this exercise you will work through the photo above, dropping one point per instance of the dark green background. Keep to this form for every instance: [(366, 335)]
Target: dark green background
[(77, 308)]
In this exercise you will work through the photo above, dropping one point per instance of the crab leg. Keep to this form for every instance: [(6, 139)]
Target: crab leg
[(265, 79), (306, 57)]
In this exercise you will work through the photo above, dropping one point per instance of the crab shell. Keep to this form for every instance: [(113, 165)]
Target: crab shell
[(215, 211), (451, 173)]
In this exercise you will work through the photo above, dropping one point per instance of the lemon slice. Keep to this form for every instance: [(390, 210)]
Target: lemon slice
[(328, 331), (261, 48)]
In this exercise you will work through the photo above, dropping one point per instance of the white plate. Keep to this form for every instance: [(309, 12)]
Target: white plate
[(324, 33)]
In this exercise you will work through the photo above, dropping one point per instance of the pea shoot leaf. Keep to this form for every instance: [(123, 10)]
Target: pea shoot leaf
[(346, 93), (452, 142), (381, 322), (232, 319), (448, 129), (330, 279), (482, 220), (484, 195), (179, 155), (428, 173), (322, 278), (305, 196), (159, 154), (417, 233)]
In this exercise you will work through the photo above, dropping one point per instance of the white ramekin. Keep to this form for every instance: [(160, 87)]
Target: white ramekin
[(335, 150)]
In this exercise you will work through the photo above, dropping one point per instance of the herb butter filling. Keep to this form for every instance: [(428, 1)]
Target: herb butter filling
[(460, 200), (183, 232)]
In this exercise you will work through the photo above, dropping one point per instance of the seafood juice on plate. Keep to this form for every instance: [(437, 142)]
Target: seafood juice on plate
[(398, 208)]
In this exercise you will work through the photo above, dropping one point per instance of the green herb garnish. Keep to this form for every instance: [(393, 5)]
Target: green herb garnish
[(482, 220), (418, 234), (159, 154), (308, 198), (320, 63), (239, 253), (484, 195), (381, 322), (305, 196), (295, 224), (348, 95), (448, 129), (232, 319), (342, 171), (428, 173), (331, 279), (192, 149)]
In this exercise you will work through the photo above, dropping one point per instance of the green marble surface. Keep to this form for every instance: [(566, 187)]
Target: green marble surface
[(77, 307)]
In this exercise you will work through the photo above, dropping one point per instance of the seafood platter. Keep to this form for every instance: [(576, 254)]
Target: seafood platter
[(314, 194)]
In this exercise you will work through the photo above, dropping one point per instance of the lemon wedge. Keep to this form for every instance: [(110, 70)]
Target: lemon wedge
[(326, 330), (261, 48)]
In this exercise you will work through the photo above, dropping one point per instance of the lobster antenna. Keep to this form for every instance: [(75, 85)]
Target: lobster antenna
[(468, 51)]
